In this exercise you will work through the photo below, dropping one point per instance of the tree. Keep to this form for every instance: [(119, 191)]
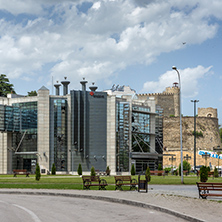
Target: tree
[(216, 174), (133, 172), (107, 171), (203, 174), (93, 172), (147, 174), (220, 132), (186, 167), (32, 93), (37, 172), (160, 168), (53, 169), (5, 86), (79, 169)]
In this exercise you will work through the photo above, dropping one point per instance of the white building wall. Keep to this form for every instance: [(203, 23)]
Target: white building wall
[(43, 129), (3, 153), (111, 133)]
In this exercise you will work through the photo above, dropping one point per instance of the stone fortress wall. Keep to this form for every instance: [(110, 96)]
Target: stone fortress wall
[(207, 128), (207, 138), (169, 100)]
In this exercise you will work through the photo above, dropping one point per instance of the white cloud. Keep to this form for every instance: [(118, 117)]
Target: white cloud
[(101, 42), (189, 80)]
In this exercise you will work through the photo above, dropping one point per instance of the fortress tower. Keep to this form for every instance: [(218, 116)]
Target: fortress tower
[(168, 100)]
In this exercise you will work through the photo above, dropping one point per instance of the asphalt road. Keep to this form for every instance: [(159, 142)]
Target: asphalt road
[(22, 208)]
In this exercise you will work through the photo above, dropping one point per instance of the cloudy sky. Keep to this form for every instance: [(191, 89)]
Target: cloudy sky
[(125, 42)]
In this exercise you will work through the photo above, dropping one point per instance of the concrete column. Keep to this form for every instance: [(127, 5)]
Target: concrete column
[(43, 128), (111, 133)]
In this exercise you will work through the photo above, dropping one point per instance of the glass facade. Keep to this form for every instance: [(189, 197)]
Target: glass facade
[(60, 134), (140, 128), (122, 136), (21, 119)]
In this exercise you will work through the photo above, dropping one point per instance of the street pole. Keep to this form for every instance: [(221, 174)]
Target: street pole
[(194, 101), (181, 142)]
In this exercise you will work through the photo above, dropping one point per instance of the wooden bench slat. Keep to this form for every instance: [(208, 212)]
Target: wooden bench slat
[(89, 181), (204, 189), (121, 181), (21, 172)]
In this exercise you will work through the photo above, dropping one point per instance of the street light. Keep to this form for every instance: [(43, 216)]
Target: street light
[(194, 163), (181, 142)]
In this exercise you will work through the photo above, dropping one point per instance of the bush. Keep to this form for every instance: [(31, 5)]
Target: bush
[(159, 169), (93, 172), (53, 169), (133, 171), (203, 174), (37, 172), (107, 171), (186, 166), (147, 174), (79, 169), (216, 174)]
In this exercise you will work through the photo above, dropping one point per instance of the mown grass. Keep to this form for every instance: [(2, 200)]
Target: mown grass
[(75, 182)]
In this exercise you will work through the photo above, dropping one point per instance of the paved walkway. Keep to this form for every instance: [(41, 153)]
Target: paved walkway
[(180, 200)]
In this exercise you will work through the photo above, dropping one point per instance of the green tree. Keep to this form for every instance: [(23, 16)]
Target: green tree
[(216, 174), (220, 131), (160, 166), (159, 169), (93, 172), (5, 86), (32, 93), (107, 171), (133, 171), (53, 169), (147, 174), (203, 174), (37, 172), (79, 169), (186, 167)]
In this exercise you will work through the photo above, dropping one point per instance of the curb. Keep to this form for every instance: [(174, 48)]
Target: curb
[(109, 199)]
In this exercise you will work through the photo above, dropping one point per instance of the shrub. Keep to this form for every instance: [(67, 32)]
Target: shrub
[(216, 174), (147, 174), (79, 169), (133, 171), (186, 166), (203, 174), (37, 172), (159, 168), (107, 171), (53, 169), (93, 172), (208, 169)]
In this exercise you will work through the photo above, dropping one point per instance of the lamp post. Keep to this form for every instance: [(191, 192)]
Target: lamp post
[(206, 155), (194, 157), (181, 142)]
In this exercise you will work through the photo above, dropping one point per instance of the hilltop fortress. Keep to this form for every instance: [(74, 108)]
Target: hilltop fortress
[(207, 129)]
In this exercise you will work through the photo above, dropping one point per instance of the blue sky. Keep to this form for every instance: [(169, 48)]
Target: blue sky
[(125, 42)]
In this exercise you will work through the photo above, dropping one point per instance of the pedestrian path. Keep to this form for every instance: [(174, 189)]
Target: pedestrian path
[(180, 200)]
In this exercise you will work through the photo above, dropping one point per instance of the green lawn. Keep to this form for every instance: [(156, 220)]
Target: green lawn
[(75, 182)]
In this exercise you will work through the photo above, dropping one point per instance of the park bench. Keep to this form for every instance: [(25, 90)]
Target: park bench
[(211, 174), (209, 189), (21, 172), (157, 172), (125, 180), (89, 181)]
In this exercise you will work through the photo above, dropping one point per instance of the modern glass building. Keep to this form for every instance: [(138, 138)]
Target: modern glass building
[(90, 128)]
